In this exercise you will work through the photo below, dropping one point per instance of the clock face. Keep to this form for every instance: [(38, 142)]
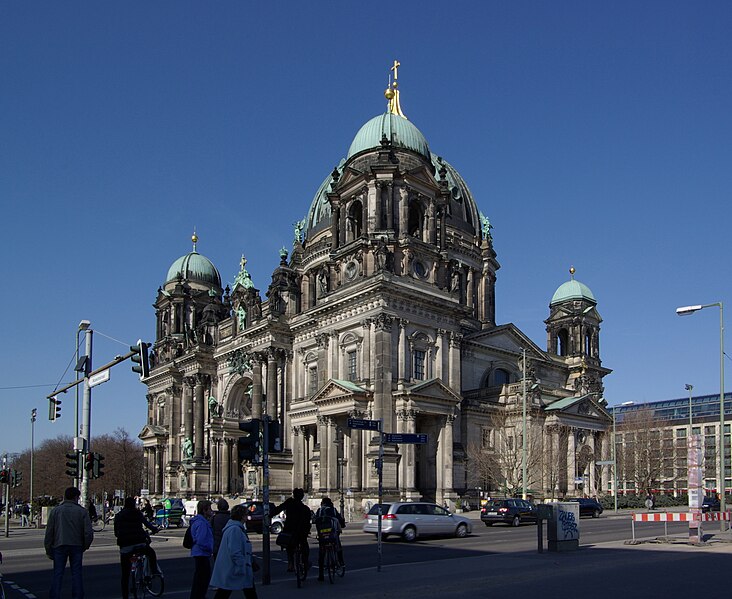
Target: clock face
[(351, 270), (420, 269)]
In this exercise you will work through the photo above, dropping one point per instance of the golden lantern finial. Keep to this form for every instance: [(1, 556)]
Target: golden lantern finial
[(392, 92), (194, 239), (571, 272)]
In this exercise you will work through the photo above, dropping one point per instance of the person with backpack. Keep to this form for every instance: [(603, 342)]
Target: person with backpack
[(297, 525), (329, 523), (129, 528), (201, 549)]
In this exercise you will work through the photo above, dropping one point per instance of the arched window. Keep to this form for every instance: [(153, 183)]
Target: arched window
[(588, 344), (562, 342), (501, 377), (355, 220), (416, 218)]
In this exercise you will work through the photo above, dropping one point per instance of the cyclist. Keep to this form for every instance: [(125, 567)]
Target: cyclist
[(296, 524), (329, 524), (129, 528)]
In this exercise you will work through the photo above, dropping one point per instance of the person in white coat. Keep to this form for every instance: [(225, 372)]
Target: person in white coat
[(233, 568)]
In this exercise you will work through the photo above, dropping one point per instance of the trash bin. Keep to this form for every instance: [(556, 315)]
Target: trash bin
[(563, 526)]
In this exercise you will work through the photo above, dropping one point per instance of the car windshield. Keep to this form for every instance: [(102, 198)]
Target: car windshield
[(375, 509)]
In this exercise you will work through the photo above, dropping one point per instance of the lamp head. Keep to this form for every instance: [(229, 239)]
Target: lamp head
[(686, 310), (84, 325), (688, 387)]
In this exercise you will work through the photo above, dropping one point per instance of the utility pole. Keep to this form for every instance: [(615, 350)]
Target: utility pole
[(6, 491), (34, 413)]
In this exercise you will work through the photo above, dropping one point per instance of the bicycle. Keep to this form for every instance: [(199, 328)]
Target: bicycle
[(301, 568), (2, 587), (98, 524), (142, 581), (331, 563)]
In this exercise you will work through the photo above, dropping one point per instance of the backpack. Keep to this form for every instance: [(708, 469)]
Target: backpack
[(188, 539)]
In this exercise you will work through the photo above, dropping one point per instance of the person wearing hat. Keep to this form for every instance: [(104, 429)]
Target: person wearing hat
[(328, 518), (218, 521)]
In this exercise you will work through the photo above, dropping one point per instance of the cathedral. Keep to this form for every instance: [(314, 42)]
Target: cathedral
[(384, 309)]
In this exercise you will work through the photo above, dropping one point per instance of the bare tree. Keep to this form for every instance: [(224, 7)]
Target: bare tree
[(497, 461), (640, 456)]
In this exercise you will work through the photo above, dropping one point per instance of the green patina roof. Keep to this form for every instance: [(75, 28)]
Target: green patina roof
[(564, 403), (400, 131), (194, 267), (572, 290), (350, 386)]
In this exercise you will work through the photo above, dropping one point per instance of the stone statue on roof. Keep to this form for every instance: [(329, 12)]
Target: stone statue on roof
[(299, 227), (241, 317), (243, 277), (485, 226)]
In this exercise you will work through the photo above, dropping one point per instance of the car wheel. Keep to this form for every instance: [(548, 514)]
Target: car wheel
[(276, 528), (596, 514), (409, 534), (516, 521), (461, 531)]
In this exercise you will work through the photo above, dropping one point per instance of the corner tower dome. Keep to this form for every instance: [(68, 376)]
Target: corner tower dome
[(572, 290), (194, 268)]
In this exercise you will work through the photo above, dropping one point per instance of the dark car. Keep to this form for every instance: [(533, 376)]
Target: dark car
[(588, 507), (255, 515), (508, 511), (710, 504)]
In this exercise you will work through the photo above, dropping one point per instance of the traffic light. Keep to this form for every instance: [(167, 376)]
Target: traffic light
[(72, 464), (54, 408), (141, 363), (15, 477), (88, 462), (274, 436), (249, 445), (98, 468), (4, 477)]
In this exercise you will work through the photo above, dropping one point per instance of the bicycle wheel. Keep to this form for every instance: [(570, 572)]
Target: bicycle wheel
[(299, 567), (330, 563), (98, 524), (155, 585), (133, 582)]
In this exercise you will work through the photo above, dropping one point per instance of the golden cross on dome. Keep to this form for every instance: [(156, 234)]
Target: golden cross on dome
[(392, 92), (395, 68)]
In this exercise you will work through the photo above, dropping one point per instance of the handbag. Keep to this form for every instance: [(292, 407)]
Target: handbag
[(188, 539), (284, 539)]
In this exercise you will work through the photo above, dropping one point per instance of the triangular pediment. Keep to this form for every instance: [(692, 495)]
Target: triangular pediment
[(509, 338), (431, 396), (338, 396), (580, 410), (151, 431)]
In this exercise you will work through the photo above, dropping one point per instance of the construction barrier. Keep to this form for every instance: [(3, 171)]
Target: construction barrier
[(667, 517)]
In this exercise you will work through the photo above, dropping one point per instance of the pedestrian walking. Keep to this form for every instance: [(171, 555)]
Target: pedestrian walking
[(68, 535), (218, 520), (24, 515), (202, 549), (233, 569)]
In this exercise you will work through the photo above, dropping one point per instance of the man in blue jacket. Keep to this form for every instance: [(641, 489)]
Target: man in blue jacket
[(202, 549)]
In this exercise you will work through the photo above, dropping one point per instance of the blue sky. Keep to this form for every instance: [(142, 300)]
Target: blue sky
[(592, 134)]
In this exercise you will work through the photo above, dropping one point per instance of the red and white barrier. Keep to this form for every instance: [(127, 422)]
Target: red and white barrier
[(681, 517)]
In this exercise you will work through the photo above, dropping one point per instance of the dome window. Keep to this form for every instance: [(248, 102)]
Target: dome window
[(416, 219), (355, 220), (562, 343)]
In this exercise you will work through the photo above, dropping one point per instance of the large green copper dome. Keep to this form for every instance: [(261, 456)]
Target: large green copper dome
[(572, 290), (397, 129), (195, 268)]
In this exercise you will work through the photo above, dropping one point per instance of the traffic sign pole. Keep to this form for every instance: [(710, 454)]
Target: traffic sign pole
[(381, 492)]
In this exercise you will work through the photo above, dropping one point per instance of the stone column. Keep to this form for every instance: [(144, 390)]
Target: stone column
[(199, 421), (606, 455), (334, 229), (441, 353), (403, 210), (591, 465), (367, 351), (403, 374), (446, 448), (298, 456), (382, 370), (355, 460), (454, 361), (322, 341), (188, 409), (323, 440), (469, 284), (571, 461), (272, 383), (226, 466), (256, 386), (431, 228)]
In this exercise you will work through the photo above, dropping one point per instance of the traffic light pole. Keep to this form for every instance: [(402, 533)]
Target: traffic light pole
[(6, 491), (86, 418), (266, 579)]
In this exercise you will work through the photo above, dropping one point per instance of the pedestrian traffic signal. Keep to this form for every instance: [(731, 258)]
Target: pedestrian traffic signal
[(141, 363), (4, 477), (54, 408), (72, 464), (15, 477), (274, 436), (98, 467), (249, 444)]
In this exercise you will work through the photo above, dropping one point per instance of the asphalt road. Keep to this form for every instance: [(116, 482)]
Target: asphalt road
[(504, 557)]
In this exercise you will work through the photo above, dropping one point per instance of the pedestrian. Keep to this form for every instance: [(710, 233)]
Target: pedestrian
[(297, 525), (24, 514), (147, 510), (129, 528), (218, 520), (202, 549), (68, 535), (233, 569)]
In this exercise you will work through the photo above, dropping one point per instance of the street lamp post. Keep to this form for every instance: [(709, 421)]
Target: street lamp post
[(86, 412), (615, 465), (683, 311), (34, 413), (690, 388), (523, 420)]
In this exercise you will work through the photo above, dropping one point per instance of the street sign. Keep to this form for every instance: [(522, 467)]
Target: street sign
[(404, 438), (367, 425), (99, 378), (605, 462)]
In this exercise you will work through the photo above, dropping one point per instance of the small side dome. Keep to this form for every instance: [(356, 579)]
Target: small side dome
[(397, 129), (572, 290), (195, 268)]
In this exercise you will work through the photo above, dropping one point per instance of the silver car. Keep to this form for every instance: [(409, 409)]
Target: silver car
[(412, 519)]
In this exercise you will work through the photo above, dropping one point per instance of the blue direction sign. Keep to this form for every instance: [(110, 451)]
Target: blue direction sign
[(366, 425), (405, 438)]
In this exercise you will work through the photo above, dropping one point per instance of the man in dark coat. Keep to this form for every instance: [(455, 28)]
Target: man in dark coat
[(218, 521), (129, 528), (297, 524)]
